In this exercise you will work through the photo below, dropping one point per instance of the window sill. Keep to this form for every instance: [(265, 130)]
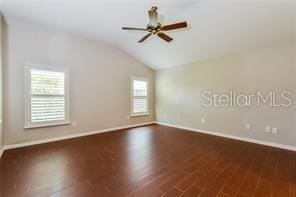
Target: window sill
[(47, 125), (138, 115)]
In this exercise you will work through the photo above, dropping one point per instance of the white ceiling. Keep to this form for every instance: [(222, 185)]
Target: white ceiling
[(217, 27)]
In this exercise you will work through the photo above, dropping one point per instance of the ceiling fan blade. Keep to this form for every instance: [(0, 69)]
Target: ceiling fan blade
[(153, 16), (144, 38), (174, 26), (165, 37), (134, 28)]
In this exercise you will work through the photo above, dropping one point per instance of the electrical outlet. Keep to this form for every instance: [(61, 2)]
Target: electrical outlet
[(203, 120), (178, 117), (267, 129), (274, 130), (128, 117), (165, 116), (73, 124), (248, 126)]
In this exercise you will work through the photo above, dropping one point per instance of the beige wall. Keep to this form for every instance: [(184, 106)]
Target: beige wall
[(1, 82), (178, 93), (100, 86), (99, 80)]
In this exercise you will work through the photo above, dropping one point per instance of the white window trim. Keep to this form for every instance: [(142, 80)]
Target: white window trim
[(132, 96), (28, 124)]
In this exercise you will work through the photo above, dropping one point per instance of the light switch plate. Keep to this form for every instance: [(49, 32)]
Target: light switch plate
[(274, 130), (248, 126)]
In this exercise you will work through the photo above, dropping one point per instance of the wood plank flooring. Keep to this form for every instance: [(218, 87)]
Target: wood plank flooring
[(148, 161)]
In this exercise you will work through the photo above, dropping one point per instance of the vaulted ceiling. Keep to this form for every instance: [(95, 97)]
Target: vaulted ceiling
[(216, 27)]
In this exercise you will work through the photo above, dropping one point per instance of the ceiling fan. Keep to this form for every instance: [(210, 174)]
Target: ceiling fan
[(154, 27)]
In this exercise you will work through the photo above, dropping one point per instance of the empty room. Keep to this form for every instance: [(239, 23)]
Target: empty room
[(147, 98)]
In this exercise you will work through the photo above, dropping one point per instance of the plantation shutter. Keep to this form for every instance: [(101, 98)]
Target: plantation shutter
[(139, 97), (47, 96)]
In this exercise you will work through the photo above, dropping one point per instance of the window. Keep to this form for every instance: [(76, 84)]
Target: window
[(139, 96), (47, 99)]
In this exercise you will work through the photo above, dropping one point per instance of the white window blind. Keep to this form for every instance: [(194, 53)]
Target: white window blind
[(47, 99), (139, 96)]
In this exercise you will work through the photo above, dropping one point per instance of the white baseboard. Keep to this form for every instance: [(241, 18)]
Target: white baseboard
[(272, 144), (12, 146), (266, 143)]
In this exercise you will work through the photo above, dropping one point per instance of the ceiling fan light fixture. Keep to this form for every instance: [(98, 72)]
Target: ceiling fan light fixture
[(154, 27)]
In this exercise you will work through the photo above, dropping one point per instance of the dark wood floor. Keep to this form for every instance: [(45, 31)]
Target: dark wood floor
[(148, 161)]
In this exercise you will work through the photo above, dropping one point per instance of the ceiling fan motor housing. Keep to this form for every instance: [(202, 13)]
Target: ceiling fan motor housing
[(153, 8)]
